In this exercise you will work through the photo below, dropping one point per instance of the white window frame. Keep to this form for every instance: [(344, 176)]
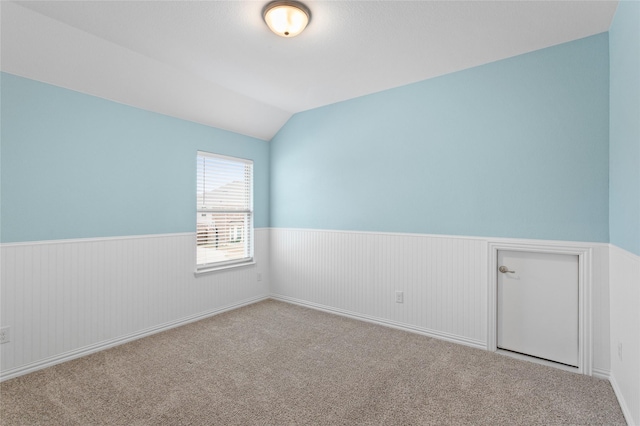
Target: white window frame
[(248, 226)]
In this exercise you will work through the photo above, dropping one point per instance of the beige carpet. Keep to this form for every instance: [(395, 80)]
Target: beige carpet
[(278, 364)]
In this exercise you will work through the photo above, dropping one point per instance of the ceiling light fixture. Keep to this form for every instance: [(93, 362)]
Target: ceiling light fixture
[(286, 18)]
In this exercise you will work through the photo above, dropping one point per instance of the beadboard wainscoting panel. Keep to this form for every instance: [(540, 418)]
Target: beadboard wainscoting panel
[(600, 326), (66, 298), (443, 279), (625, 330)]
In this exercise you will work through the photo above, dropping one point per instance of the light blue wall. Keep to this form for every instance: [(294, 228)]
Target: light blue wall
[(624, 190), (515, 148), (76, 166)]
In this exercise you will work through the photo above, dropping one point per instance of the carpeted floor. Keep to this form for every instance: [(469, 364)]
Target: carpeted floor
[(278, 364)]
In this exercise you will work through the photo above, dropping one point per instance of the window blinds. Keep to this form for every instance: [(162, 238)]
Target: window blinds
[(224, 225)]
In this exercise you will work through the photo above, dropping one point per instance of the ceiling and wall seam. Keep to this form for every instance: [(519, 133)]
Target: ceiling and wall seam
[(223, 68)]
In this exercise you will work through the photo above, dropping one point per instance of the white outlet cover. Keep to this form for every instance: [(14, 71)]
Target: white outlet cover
[(5, 336)]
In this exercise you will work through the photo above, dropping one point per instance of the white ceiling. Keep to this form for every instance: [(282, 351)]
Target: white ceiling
[(215, 62)]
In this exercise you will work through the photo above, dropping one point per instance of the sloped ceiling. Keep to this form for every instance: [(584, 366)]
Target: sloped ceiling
[(216, 63)]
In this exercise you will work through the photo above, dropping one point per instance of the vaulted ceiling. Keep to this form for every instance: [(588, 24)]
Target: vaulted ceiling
[(216, 62)]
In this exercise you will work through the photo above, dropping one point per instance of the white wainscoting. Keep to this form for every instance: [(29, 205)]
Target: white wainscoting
[(600, 327), (358, 273), (64, 299), (624, 282), (67, 298), (444, 280)]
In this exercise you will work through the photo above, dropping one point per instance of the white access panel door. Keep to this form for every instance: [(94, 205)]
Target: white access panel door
[(538, 305)]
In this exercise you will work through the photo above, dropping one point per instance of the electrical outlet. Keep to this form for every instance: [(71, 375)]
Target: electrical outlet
[(5, 336), (259, 276), (399, 297), (620, 350)]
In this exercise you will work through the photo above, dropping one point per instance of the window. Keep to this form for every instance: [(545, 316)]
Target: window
[(224, 211)]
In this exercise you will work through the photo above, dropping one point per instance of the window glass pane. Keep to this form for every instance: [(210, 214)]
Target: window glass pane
[(222, 237)]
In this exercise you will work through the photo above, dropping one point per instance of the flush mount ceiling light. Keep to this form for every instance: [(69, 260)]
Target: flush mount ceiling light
[(286, 18)]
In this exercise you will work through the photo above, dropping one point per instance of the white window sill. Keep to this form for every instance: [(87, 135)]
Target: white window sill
[(222, 267)]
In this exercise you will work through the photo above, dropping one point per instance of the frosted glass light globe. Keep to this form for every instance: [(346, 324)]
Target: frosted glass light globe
[(286, 18)]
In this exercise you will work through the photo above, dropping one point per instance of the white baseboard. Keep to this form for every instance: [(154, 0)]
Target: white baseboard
[(623, 405), (87, 350), (386, 323), (606, 374), (601, 374)]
